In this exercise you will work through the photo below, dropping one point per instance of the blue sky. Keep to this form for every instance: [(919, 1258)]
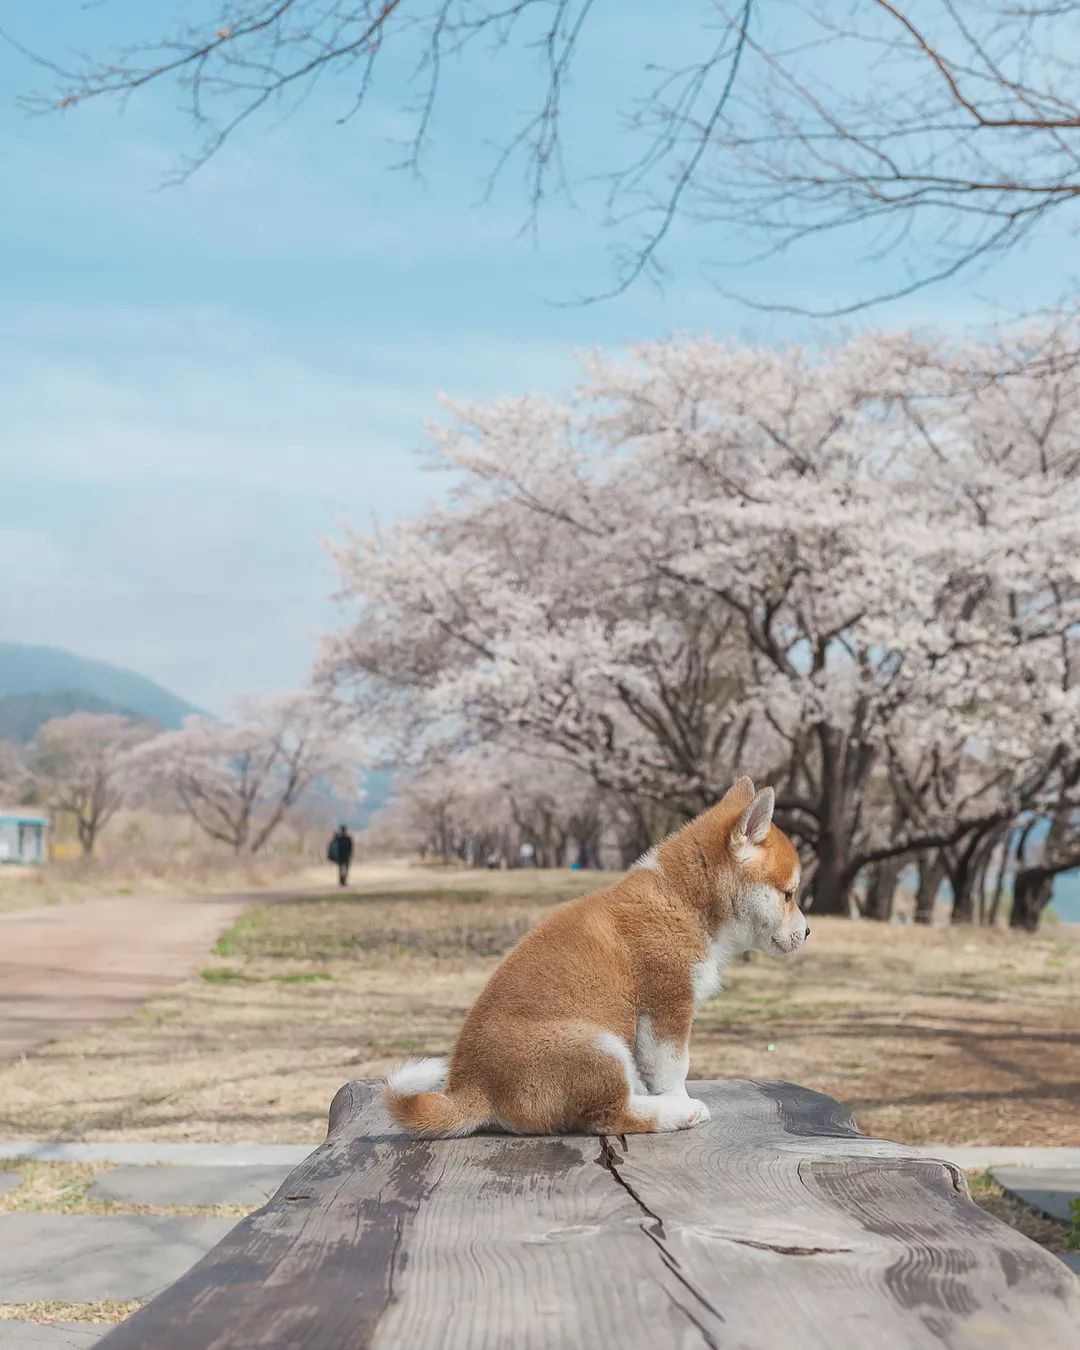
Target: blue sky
[(198, 383)]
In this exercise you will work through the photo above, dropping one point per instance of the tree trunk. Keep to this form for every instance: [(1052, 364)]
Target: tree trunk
[(967, 872), (1032, 892), (963, 874), (979, 886), (831, 888), (833, 878), (962, 877), (999, 892), (990, 895), (931, 875), (1012, 850), (882, 889), (87, 836)]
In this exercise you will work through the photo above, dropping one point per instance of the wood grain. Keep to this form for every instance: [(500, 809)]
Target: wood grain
[(775, 1225)]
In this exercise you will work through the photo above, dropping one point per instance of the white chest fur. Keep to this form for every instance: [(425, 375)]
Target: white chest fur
[(707, 974)]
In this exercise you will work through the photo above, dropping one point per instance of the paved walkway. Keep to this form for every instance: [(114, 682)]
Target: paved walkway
[(67, 967), (148, 1154), (84, 1258), (981, 1158)]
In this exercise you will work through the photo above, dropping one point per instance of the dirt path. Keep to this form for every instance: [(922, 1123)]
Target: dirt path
[(67, 967)]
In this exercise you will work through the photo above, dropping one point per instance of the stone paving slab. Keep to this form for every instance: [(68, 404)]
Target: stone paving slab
[(196, 1155), (1047, 1189), (189, 1185), (8, 1181), (982, 1157), (79, 1258), (50, 1335)]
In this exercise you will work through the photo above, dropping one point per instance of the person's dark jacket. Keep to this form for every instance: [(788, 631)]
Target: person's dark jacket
[(340, 850)]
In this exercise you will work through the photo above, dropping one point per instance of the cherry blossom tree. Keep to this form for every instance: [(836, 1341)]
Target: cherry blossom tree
[(488, 802), (83, 764), (448, 811), (851, 572), (15, 777), (239, 779)]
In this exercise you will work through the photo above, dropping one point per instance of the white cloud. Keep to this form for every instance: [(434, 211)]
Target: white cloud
[(186, 392)]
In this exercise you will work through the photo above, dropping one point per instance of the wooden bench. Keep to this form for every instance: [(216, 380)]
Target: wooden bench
[(775, 1225)]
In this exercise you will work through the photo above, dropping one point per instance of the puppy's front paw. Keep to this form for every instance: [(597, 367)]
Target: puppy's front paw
[(677, 1113), (699, 1112)]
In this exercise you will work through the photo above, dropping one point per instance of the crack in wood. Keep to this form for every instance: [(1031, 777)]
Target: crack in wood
[(673, 1266), (655, 1232), (403, 1212), (610, 1160), (784, 1249), (392, 1264), (706, 1335)]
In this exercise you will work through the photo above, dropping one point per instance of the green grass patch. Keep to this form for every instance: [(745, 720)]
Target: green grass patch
[(990, 1196), (345, 897), (227, 975), (391, 897), (300, 928), (242, 929), (221, 975)]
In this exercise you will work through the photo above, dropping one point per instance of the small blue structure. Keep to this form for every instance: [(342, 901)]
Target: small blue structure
[(22, 836)]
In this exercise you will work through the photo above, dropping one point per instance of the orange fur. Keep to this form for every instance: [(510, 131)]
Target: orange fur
[(602, 992)]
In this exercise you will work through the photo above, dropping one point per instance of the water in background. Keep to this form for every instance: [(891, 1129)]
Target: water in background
[(1066, 903)]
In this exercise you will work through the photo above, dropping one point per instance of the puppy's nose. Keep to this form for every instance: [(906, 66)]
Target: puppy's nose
[(807, 933)]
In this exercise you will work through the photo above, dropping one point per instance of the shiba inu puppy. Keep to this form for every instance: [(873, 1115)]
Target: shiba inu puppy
[(585, 1025)]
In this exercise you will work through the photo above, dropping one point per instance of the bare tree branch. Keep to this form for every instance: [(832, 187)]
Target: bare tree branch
[(941, 137)]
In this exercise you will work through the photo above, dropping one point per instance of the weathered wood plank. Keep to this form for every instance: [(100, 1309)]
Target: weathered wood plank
[(777, 1224)]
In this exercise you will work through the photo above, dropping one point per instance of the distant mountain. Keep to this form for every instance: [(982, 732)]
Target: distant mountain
[(41, 682), (22, 714)]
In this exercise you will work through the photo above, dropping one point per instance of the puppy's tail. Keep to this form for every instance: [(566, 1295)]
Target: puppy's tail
[(414, 1097)]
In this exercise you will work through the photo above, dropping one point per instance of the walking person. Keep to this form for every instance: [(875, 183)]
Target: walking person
[(340, 852)]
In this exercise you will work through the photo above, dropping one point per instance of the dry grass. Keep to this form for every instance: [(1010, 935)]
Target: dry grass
[(106, 1312), (66, 1188), (65, 883), (930, 1035), (149, 853), (988, 1195)]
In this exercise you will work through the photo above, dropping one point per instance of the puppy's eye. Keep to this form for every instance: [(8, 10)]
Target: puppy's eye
[(789, 895)]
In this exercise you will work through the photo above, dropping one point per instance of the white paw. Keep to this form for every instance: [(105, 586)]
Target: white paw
[(671, 1112), (701, 1112)]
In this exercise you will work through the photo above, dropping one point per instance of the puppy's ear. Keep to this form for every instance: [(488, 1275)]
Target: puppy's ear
[(737, 795), (752, 827)]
